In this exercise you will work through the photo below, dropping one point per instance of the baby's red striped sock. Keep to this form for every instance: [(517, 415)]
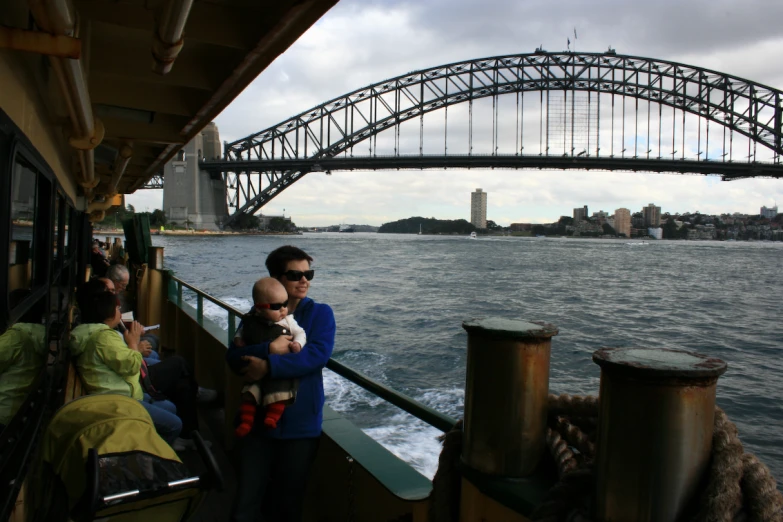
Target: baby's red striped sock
[(247, 414), (273, 413)]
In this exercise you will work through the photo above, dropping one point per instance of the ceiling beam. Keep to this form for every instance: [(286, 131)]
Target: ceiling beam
[(217, 24), (201, 67), (129, 93), (164, 131)]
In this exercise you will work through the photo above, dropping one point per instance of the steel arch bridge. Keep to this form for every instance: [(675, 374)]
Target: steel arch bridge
[(595, 111)]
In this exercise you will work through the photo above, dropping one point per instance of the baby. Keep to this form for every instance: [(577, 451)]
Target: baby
[(267, 321)]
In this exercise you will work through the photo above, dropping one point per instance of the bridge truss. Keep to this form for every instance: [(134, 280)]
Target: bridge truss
[(542, 110)]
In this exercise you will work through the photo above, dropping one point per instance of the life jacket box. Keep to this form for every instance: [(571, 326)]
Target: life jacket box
[(104, 452)]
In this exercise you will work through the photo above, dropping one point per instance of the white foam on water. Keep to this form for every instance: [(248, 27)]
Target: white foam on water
[(412, 441), (407, 437)]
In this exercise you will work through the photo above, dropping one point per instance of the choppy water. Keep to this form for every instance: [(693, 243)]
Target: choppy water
[(399, 302)]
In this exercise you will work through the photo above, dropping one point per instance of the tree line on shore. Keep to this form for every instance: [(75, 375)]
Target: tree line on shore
[(414, 225), (159, 219)]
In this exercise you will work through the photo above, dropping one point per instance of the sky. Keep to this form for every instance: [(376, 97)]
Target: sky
[(360, 42)]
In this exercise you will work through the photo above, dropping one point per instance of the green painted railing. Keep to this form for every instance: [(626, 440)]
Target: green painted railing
[(420, 411)]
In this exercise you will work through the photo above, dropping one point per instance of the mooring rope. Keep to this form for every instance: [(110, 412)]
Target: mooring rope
[(738, 488)]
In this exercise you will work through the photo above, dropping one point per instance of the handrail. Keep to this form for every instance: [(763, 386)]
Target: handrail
[(233, 313), (420, 411)]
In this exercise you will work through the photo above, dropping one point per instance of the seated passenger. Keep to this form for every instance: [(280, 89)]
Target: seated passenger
[(117, 279), (98, 260), (109, 362), (171, 379)]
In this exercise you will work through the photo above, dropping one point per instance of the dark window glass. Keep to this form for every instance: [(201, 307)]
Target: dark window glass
[(24, 187), (66, 230), (56, 233)]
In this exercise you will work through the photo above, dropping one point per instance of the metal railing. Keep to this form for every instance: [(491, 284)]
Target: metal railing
[(424, 413)]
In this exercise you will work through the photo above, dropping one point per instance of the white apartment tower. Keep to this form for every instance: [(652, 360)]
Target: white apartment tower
[(478, 208)]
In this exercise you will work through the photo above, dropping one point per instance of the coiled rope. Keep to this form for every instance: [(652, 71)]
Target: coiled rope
[(738, 488)]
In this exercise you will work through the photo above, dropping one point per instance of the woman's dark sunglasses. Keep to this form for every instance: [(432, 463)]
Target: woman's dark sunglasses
[(296, 275), (272, 306)]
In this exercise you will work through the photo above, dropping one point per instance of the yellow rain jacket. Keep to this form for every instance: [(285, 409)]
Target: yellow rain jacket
[(105, 362), (22, 355)]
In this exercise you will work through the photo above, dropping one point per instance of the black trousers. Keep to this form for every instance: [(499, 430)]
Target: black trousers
[(174, 378), (272, 478)]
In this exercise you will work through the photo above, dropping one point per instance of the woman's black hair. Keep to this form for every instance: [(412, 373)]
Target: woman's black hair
[(278, 259), (99, 307), (84, 296)]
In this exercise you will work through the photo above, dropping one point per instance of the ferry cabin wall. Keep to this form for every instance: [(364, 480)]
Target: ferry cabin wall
[(44, 252), (21, 98)]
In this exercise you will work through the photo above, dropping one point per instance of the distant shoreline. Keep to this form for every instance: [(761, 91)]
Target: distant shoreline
[(191, 233)]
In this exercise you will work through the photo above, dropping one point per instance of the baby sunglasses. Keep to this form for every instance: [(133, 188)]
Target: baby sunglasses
[(296, 275), (271, 306)]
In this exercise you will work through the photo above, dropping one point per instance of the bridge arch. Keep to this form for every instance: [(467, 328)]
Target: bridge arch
[(741, 106)]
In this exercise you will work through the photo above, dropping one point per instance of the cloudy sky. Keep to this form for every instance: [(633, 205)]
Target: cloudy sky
[(360, 42)]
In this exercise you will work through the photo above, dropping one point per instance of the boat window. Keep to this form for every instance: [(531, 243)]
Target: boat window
[(24, 188)]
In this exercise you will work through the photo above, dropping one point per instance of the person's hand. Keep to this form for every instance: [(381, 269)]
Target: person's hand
[(280, 345), (132, 335), (256, 368), (145, 347), (295, 347)]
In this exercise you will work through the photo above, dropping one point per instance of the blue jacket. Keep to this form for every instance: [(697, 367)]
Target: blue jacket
[(303, 418)]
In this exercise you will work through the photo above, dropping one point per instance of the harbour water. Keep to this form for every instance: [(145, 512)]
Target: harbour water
[(399, 301)]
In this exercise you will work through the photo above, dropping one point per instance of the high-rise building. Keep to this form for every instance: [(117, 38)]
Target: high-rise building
[(622, 221), (652, 215), (580, 213), (478, 208), (769, 212)]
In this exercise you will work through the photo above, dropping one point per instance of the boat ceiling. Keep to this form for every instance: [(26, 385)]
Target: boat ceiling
[(227, 43)]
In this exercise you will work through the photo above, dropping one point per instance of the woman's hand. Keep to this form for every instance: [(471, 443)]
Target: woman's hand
[(280, 345), (132, 335), (256, 368)]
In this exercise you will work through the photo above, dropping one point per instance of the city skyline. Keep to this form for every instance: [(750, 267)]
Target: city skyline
[(359, 43)]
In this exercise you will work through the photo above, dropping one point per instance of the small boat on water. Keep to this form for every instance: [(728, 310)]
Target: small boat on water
[(472, 235), (419, 228), (346, 228)]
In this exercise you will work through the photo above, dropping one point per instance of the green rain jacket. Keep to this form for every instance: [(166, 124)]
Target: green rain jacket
[(105, 362), (22, 355)]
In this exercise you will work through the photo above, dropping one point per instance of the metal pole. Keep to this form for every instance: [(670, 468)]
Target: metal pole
[(156, 258), (655, 428), (506, 389)]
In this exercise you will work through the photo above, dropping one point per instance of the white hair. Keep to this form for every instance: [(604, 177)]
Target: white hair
[(117, 272)]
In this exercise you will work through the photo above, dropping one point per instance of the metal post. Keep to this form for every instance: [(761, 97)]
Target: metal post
[(232, 326), (155, 258), (655, 427), (506, 389)]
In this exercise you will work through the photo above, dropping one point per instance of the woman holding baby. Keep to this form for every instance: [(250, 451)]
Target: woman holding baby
[(274, 463)]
